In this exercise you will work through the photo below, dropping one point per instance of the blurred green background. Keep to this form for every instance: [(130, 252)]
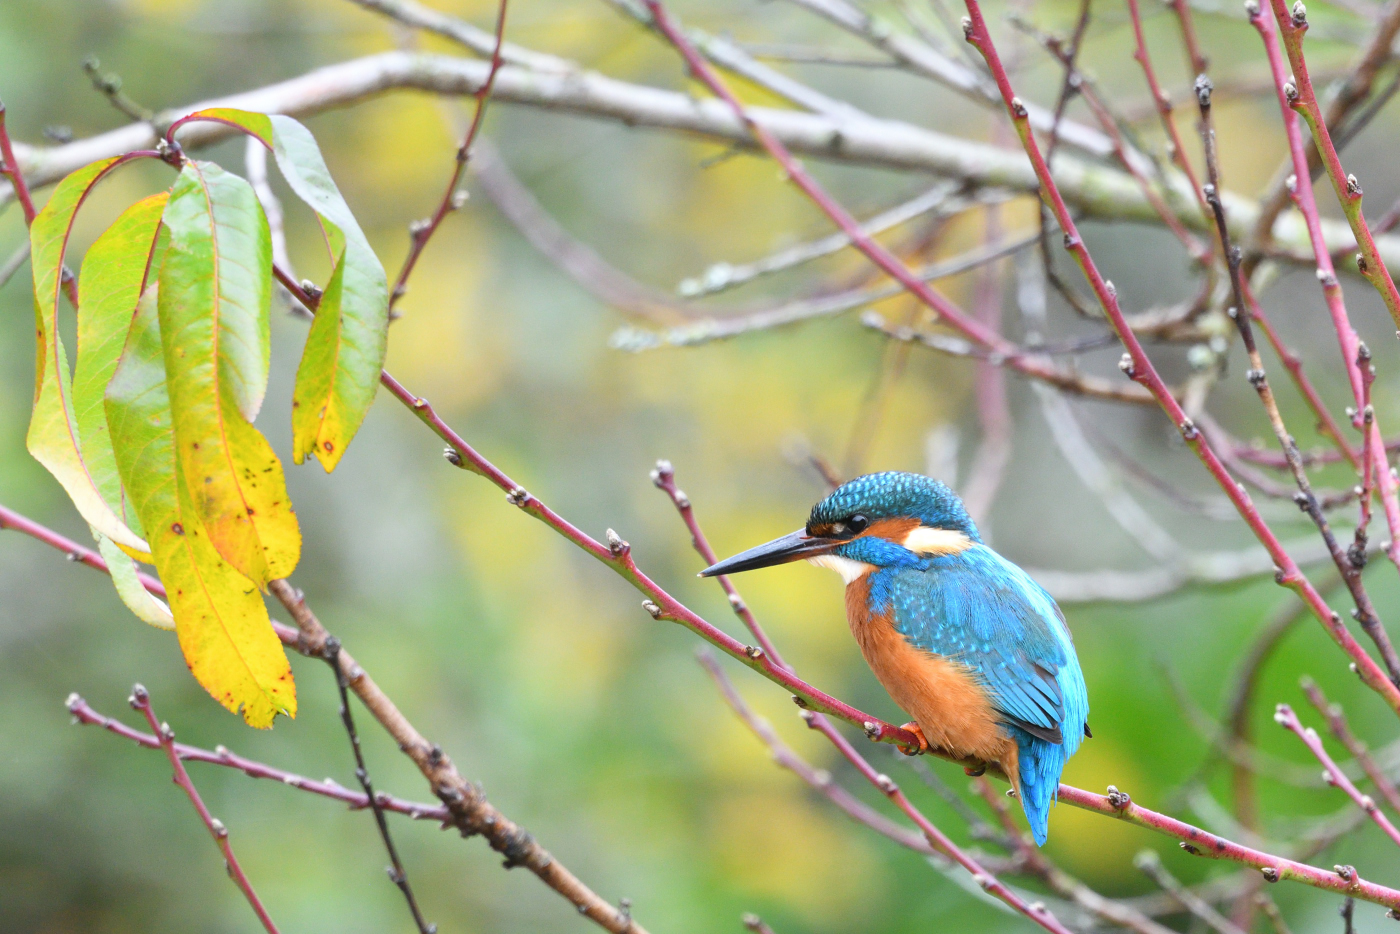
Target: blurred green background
[(534, 667)]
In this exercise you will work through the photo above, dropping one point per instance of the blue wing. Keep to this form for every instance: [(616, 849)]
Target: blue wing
[(980, 609)]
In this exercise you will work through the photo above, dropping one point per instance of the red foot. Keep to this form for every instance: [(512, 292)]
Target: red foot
[(914, 728)]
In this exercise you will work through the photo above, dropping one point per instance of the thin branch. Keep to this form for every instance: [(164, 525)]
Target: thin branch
[(11, 169), (1303, 100), (1285, 717), (577, 259), (14, 263), (1353, 90), (1337, 724), (1150, 864), (722, 276), (84, 714), (1163, 102), (420, 232), (397, 874), (110, 86), (141, 700), (1060, 882), (922, 59), (819, 780)]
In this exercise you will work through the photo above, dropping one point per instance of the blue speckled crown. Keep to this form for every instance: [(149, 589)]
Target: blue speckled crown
[(894, 494)]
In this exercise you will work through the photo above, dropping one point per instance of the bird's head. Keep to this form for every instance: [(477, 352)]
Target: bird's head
[(879, 520)]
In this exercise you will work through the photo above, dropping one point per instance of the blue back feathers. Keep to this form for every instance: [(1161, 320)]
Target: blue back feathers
[(979, 609)]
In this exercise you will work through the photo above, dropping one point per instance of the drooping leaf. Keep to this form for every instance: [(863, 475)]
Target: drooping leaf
[(220, 618), (339, 371), (147, 607), (54, 437), (113, 273), (214, 300)]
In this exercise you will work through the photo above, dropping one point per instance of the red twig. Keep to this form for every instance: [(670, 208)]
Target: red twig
[(1337, 724), (83, 713), (818, 779), (10, 168), (1194, 57), (1285, 717), (141, 700), (1326, 422), (1304, 198), (1302, 98), (1199, 842), (1138, 367), (422, 231), (1164, 108)]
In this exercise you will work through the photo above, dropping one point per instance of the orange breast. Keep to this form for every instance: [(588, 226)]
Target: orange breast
[(942, 696)]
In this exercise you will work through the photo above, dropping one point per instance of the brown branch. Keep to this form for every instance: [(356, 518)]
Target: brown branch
[(470, 812)]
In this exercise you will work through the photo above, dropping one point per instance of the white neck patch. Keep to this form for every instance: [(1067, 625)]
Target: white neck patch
[(926, 541), (848, 569)]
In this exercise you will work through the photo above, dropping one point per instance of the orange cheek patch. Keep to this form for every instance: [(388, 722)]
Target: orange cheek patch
[(894, 530)]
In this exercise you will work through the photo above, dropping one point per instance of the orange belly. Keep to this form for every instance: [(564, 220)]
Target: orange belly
[(942, 696)]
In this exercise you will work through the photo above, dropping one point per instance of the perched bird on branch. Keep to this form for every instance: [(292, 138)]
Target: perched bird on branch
[(962, 639)]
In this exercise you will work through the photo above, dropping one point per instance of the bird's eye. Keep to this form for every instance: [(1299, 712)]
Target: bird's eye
[(857, 524)]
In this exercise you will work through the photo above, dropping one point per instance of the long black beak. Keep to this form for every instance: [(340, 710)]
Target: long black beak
[(791, 547)]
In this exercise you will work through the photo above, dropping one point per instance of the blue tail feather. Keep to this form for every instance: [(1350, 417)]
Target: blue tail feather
[(1041, 763)]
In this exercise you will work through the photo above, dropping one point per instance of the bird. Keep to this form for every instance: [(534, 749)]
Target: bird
[(963, 640)]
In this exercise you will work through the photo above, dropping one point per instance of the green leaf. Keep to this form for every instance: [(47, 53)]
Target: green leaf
[(113, 274), (220, 618), (54, 436), (214, 300), (344, 354), (147, 607)]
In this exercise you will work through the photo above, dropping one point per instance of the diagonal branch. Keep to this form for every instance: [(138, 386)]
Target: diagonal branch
[(141, 700)]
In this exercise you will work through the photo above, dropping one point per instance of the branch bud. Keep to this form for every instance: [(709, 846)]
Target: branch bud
[(663, 472), (967, 28), (1270, 874), (652, 608), (1300, 16), (616, 545), (1203, 88), (1018, 108)]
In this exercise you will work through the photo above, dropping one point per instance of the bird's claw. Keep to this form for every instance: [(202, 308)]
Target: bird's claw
[(974, 771), (912, 727)]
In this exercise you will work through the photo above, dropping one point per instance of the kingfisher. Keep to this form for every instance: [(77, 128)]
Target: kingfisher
[(963, 640)]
